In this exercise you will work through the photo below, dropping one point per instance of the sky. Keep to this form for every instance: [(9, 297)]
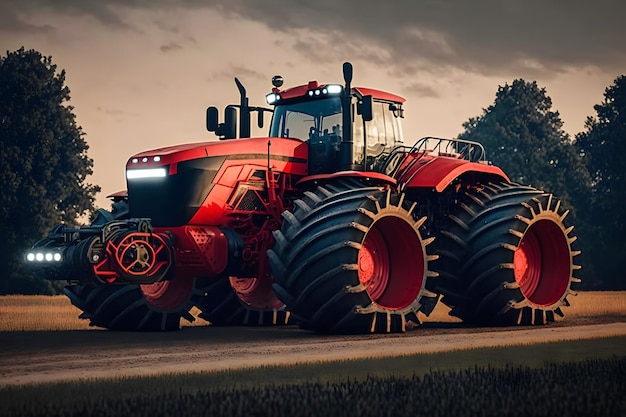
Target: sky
[(142, 72)]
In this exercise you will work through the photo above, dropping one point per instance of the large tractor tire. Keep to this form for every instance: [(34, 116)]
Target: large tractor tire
[(350, 258), (152, 307), (232, 301), (506, 257)]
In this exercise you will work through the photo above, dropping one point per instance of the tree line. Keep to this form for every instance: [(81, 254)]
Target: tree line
[(525, 137), (45, 166)]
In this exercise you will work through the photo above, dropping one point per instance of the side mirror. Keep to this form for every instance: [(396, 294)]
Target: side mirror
[(364, 107), (211, 119), (226, 130), (397, 111)]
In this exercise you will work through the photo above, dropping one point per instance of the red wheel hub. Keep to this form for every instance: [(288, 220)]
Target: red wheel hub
[(542, 263), (391, 263), (168, 295), (256, 292)]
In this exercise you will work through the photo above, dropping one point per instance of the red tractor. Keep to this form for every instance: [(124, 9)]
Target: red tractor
[(330, 222)]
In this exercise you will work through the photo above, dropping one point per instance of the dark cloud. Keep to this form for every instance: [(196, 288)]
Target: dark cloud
[(421, 90), (524, 37), (242, 73), (486, 36), (103, 11), (11, 22), (172, 46)]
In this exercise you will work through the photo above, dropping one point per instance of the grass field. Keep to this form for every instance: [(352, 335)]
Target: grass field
[(582, 377), (45, 313)]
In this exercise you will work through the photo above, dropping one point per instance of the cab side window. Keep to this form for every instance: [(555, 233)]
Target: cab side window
[(384, 128)]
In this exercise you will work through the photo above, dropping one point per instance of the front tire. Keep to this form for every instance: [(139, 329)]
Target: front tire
[(351, 259), (149, 307), (132, 307), (506, 257)]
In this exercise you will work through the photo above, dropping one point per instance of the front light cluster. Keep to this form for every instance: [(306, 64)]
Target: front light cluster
[(44, 256), (146, 159), (331, 89), (328, 90)]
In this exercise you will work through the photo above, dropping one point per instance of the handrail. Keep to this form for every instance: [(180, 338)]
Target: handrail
[(460, 148), (429, 145)]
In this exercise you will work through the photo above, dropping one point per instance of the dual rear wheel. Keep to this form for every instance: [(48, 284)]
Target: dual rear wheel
[(506, 257)]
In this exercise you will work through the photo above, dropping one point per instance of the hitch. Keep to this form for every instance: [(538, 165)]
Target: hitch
[(120, 252)]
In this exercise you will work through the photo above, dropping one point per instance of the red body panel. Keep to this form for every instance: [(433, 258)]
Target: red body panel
[(381, 95), (438, 172), (200, 251)]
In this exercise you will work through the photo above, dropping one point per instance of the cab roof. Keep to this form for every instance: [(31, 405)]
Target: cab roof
[(302, 91)]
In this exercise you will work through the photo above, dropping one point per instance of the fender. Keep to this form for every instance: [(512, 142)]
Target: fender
[(442, 171), (118, 196)]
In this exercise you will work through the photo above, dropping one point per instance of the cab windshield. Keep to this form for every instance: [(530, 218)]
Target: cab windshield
[(307, 119)]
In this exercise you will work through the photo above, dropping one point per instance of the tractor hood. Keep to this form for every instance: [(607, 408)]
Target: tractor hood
[(165, 160)]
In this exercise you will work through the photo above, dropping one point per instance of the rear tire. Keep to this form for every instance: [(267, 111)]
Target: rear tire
[(351, 259), (505, 257)]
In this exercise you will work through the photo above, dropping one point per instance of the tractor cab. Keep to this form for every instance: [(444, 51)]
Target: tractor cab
[(314, 113)]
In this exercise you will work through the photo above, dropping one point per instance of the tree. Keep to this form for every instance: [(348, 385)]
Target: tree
[(603, 147), (524, 136), (44, 162)]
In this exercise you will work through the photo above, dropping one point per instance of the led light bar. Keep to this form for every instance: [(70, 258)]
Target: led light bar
[(330, 89), (44, 256), (132, 174)]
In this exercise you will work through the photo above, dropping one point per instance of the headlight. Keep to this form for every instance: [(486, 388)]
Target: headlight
[(146, 173), (334, 88), (272, 98)]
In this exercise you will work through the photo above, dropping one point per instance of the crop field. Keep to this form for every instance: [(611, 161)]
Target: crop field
[(561, 378), (403, 386)]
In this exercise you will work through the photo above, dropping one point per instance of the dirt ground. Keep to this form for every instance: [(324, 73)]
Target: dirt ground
[(35, 357)]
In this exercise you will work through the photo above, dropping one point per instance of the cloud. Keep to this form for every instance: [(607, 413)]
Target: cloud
[(486, 36), (422, 90), (172, 46), (103, 11), (11, 22), (242, 73), (490, 37)]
